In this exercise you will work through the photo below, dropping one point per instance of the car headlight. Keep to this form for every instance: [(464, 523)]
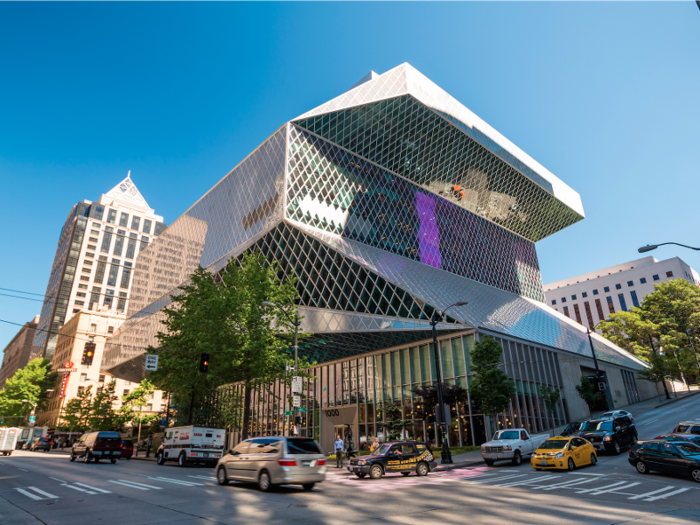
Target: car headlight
[(559, 455), (607, 438), (483, 449), (507, 447)]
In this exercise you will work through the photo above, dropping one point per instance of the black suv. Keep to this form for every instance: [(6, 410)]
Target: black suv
[(401, 456), (41, 444), (98, 445), (676, 457), (610, 435)]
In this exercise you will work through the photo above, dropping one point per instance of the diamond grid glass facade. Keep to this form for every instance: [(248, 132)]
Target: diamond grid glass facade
[(384, 212), (408, 138), (339, 192)]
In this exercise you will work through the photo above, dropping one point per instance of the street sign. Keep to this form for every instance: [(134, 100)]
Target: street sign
[(32, 418), (301, 409), (151, 362), (601, 386), (296, 384), (296, 401), (288, 412), (65, 370)]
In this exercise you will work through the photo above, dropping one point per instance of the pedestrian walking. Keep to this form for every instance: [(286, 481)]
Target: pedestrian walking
[(339, 451)]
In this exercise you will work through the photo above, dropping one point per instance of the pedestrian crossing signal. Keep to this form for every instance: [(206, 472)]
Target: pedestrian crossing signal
[(88, 353), (204, 363)]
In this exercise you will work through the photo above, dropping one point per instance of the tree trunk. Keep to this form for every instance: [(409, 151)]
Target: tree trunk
[(246, 411)]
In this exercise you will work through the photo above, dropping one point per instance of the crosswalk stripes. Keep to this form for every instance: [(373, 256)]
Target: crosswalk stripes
[(134, 485), (177, 481), (208, 478), (41, 493), (664, 496), (596, 489), (85, 488), (569, 483), (479, 479), (528, 481)]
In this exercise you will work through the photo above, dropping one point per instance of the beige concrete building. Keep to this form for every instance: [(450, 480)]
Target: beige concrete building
[(16, 353), (87, 327)]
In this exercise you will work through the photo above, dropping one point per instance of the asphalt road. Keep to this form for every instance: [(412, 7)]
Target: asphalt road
[(47, 488)]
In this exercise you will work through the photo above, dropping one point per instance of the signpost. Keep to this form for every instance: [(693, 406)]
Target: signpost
[(296, 384), (151, 362), (296, 401), (288, 412)]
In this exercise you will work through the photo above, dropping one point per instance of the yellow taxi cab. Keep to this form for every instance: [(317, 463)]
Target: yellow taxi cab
[(562, 452)]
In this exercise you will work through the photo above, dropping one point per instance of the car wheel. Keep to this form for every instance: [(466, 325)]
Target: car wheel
[(97, 460), (616, 448), (405, 473), (181, 460), (571, 464), (517, 458), (642, 467), (72, 457), (695, 474), (360, 474), (160, 459), (308, 486), (221, 476), (264, 482), (489, 462), (594, 459), (422, 469), (376, 472)]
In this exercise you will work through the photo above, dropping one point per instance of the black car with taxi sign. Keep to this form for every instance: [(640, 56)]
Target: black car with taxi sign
[(399, 456)]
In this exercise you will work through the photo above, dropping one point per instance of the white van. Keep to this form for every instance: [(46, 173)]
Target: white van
[(8, 440), (189, 445)]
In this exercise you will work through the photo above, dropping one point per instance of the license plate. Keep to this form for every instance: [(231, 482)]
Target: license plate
[(543, 462), (206, 454), (306, 463)]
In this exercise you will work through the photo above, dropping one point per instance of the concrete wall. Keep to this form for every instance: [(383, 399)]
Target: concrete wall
[(571, 375)]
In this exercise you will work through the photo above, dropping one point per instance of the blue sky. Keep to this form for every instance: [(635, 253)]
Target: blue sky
[(605, 95)]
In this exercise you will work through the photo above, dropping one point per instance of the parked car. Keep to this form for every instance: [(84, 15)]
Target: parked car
[(688, 427), (273, 461), (41, 444), (680, 437), (189, 445), (96, 446), (573, 428), (511, 444), (127, 449), (561, 452), (676, 457), (8, 440), (617, 413), (401, 456), (610, 435)]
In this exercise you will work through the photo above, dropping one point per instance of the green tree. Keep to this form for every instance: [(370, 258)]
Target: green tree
[(134, 402), (29, 383), (588, 392), (491, 389), (78, 411), (550, 396), (451, 395), (393, 424), (223, 316), (658, 370), (102, 413)]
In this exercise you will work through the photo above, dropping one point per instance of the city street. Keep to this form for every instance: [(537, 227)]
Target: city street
[(47, 488)]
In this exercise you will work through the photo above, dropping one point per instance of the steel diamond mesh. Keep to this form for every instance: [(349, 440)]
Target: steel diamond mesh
[(407, 137), (332, 189)]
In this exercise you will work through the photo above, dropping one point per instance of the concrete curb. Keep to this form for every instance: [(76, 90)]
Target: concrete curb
[(681, 398), (144, 458), (463, 464)]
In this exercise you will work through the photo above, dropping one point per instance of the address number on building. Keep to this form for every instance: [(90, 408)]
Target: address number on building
[(332, 413)]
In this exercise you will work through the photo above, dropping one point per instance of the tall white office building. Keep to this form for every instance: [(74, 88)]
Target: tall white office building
[(94, 260), (592, 297)]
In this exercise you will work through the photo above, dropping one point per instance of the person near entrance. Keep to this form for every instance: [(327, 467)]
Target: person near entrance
[(338, 445)]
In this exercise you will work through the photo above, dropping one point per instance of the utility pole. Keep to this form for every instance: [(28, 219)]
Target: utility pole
[(597, 372)]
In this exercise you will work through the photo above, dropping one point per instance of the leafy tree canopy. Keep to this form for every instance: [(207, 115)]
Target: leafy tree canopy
[(491, 389), (588, 392), (29, 383)]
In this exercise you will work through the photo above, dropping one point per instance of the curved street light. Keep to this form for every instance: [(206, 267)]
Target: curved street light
[(650, 247), (446, 457)]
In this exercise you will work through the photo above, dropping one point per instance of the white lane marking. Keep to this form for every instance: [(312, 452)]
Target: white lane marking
[(21, 469), (26, 493), (613, 489), (177, 481), (587, 474), (56, 479), (77, 488), (134, 485), (497, 479), (584, 491), (567, 484), (43, 493), (203, 477), (527, 481), (93, 488), (662, 496), (638, 496), (650, 422)]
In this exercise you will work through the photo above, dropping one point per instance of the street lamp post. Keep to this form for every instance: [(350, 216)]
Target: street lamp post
[(651, 342), (295, 321), (597, 371), (446, 457), (650, 247)]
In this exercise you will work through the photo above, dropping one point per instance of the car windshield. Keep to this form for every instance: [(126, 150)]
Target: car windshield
[(598, 425), (554, 444), (506, 434), (609, 414), (573, 427), (302, 446), (382, 449), (688, 449)]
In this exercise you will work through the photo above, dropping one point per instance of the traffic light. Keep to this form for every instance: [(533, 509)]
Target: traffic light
[(88, 353), (204, 363)]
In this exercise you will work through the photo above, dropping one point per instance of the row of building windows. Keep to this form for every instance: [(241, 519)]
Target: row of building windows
[(599, 308), (618, 286)]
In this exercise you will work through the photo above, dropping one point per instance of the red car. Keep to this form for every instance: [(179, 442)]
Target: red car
[(127, 449), (680, 437)]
